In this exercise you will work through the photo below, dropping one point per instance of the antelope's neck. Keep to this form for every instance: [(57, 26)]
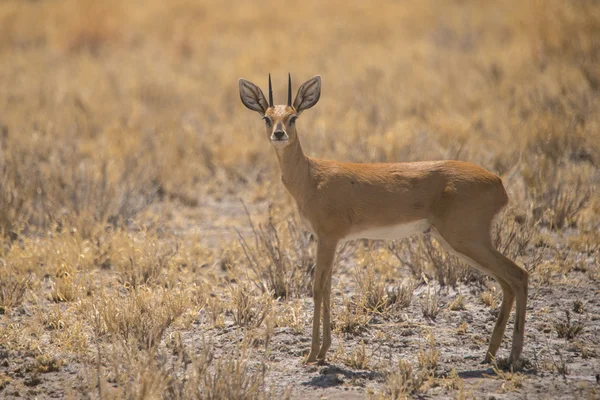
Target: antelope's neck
[(294, 167)]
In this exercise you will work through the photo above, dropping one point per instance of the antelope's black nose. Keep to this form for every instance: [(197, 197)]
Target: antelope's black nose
[(279, 134)]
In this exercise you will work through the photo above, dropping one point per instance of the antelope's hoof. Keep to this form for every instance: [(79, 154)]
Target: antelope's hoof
[(515, 364), (310, 359)]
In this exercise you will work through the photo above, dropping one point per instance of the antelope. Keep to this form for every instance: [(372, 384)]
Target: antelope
[(456, 202)]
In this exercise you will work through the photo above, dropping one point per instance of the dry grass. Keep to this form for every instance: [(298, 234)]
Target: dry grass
[(126, 254), (280, 259), (404, 381), (357, 358), (351, 318), (430, 304), (457, 304), (512, 381), (249, 310), (12, 289), (491, 298), (142, 316), (568, 329)]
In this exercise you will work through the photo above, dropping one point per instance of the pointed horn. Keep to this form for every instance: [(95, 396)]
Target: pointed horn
[(270, 92), (289, 90)]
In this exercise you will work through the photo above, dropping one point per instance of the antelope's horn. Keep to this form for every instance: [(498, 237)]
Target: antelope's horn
[(270, 92), (289, 90)]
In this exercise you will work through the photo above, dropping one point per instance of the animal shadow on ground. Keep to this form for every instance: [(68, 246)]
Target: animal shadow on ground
[(526, 368), (333, 375)]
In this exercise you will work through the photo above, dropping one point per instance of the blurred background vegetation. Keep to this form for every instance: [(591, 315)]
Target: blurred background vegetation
[(107, 106)]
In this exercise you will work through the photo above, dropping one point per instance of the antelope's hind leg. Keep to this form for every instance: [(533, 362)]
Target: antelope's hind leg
[(480, 253)]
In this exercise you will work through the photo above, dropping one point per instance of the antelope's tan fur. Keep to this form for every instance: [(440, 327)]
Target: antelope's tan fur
[(455, 201)]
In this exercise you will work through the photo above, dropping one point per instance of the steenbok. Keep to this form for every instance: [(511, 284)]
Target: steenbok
[(454, 201)]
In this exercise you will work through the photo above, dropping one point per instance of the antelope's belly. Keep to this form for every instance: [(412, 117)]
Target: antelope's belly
[(390, 232)]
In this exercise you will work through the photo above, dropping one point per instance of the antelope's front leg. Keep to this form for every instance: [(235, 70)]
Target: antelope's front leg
[(314, 347), (325, 255), (326, 320)]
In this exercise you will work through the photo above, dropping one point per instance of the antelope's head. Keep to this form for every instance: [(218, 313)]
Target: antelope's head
[(280, 120)]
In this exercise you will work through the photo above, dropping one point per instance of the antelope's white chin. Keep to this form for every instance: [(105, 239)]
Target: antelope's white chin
[(280, 143)]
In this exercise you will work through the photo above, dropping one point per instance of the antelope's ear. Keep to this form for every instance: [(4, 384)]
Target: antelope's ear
[(252, 96), (308, 94)]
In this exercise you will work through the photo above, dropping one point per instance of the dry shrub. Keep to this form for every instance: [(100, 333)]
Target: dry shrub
[(64, 288), (143, 378), (513, 381), (560, 192), (578, 306), (453, 382), (399, 382), (233, 379), (280, 259), (230, 377), (16, 193), (568, 329), (51, 182), (141, 317), (371, 289), (289, 314), (401, 296), (562, 116), (13, 286), (46, 363), (216, 307), (142, 259), (545, 272), (462, 329), (565, 202), (81, 192), (194, 375), (374, 294), (513, 232), (351, 319), (457, 304), (491, 297), (409, 257), (559, 124), (587, 242), (428, 260), (358, 358), (594, 273), (430, 304), (429, 356), (53, 319), (249, 310), (403, 382)]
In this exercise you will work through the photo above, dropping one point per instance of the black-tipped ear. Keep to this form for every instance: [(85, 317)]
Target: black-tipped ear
[(252, 96), (308, 94)]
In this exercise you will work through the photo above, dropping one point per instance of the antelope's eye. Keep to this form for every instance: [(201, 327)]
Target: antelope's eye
[(267, 121), (292, 120)]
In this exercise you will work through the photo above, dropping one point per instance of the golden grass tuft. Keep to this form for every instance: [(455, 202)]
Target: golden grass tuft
[(140, 317)]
